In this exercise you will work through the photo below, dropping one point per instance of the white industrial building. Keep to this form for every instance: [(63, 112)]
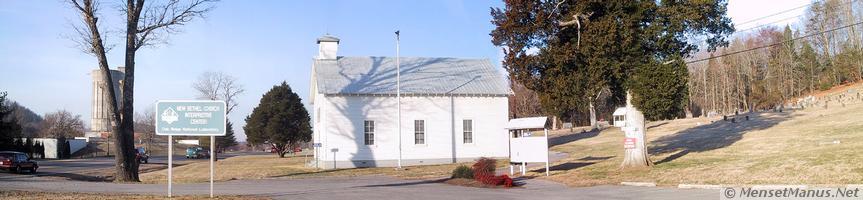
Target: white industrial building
[(452, 110), (51, 145)]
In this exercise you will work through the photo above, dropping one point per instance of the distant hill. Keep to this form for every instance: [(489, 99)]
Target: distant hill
[(31, 123)]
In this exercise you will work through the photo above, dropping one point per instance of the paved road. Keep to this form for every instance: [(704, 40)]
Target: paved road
[(363, 187), (366, 187), (69, 167)]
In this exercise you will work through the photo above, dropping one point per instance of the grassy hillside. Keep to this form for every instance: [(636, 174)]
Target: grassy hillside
[(809, 146)]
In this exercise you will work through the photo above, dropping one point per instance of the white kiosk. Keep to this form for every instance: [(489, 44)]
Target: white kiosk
[(524, 147)]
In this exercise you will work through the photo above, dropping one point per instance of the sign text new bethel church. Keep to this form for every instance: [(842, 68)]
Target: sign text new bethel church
[(196, 118)]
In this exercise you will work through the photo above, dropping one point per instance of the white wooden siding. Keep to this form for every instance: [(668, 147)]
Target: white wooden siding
[(341, 126)]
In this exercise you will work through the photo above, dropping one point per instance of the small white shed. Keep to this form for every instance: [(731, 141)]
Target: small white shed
[(620, 117)]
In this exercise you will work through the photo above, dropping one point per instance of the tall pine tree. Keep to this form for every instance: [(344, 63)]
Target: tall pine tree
[(569, 51), (223, 142)]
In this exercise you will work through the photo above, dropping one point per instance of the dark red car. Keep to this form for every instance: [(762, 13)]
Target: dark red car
[(17, 162)]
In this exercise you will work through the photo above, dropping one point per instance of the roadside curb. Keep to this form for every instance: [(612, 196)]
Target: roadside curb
[(768, 187), (761, 187), (639, 184), (697, 186)]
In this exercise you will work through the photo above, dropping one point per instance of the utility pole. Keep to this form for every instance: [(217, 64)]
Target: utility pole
[(399, 99)]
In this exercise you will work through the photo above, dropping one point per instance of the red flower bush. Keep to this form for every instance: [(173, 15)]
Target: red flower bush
[(507, 182), (483, 171)]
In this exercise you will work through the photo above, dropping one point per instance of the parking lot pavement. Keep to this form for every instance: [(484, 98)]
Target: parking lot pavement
[(366, 187), (362, 187), (72, 167)]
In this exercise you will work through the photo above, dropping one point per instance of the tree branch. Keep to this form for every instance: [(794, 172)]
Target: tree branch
[(165, 17)]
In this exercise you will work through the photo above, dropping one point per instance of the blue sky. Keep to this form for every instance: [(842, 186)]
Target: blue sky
[(262, 43)]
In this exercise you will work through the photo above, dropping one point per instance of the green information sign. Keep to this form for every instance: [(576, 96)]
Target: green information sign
[(190, 118)]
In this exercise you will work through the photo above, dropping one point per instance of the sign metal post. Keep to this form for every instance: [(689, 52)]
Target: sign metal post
[(317, 146), (212, 158), (334, 150), (170, 162), (190, 118)]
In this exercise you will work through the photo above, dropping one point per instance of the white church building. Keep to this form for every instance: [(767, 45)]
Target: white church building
[(452, 110)]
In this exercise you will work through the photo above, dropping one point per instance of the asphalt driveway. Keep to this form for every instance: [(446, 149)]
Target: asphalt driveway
[(363, 187)]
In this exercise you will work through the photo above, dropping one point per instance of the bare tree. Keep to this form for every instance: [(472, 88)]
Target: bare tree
[(219, 86), (524, 102), (62, 124), (146, 24), (145, 124)]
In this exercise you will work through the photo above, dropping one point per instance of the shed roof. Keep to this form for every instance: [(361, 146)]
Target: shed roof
[(620, 111), (419, 76), (527, 123)]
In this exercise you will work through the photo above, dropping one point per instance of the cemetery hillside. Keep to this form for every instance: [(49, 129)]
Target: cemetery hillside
[(814, 145)]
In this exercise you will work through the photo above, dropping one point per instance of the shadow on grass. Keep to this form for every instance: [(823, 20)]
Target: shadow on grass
[(565, 166), (311, 173), (409, 183), (591, 158), (712, 136), (79, 177), (563, 139), (102, 174), (657, 125)]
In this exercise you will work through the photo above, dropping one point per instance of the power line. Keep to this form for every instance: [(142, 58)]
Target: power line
[(783, 19), (773, 22), (759, 26), (774, 14), (767, 24), (774, 44)]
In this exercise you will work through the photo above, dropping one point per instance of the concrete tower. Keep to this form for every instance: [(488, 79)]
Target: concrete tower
[(100, 117)]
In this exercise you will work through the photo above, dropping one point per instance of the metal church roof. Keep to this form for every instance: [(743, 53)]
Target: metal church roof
[(328, 38), (419, 76)]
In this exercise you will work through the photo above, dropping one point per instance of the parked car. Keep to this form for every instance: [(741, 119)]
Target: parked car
[(142, 155), (197, 152), (17, 162)]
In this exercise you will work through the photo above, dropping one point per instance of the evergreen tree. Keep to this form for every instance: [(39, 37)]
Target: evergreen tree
[(9, 128), (569, 51), (223, 142), (40, 149), (28, 147), (280, 120)]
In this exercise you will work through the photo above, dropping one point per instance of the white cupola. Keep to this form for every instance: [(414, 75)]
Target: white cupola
[(328, 45)]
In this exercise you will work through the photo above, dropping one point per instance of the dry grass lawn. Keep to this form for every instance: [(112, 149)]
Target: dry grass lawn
[(270, 166), (810, 146), (239, 167), (24, 195)]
